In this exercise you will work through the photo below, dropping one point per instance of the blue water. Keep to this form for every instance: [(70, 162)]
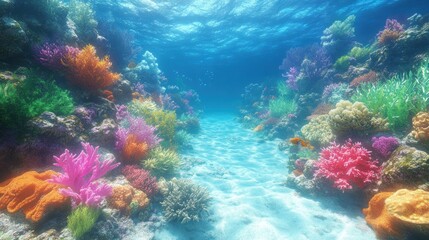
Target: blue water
[(245, 177)]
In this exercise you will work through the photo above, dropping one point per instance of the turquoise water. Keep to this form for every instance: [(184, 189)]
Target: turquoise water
[(245, 177)]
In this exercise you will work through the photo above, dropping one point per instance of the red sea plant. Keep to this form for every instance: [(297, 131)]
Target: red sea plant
[(141, 179), (89, 72), (347, 166)]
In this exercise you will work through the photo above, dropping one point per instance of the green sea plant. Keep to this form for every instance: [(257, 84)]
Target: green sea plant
[(360, 54), (162, 162), (318, 131), (282, 106), (184, 201), (399, 98), (342, 63), (31, 97), (82, 220), (182, 139)]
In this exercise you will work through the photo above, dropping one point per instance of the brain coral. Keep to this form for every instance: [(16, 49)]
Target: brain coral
[(318, 131), (421, 126), (350, 117), (409, 206)]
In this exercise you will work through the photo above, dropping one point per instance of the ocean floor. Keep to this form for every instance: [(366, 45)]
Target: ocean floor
[(245, 177)]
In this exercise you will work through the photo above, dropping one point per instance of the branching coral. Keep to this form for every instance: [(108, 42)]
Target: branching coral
[(31, 193), (350, 117), (184, 201), (87, 71), (337, 37), (347, 166), (392, 31), (141, 179), (421, 126), (318, 131), (80, 174), (125, 196), (162, 162)]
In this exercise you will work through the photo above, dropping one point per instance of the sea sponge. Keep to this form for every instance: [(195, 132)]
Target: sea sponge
[(318, 131), (409, 206), (125, 196), (421, 126), (377, 216), (31, 193), (355, 117)]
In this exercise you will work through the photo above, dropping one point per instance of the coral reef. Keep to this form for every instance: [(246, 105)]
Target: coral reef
[(184, 201), (347, 166), (125, 197), (31, 193), (80, 174)]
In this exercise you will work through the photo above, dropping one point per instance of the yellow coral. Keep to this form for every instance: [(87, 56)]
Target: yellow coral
[(123, 196), (31, 193), (421, 126), (409, 206), (318, 131), (354, 117)]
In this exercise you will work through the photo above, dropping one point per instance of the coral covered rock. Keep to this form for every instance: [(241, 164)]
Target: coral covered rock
[(421, 126), (104, 133), (406, 166), (355, 117), (125, 197), (31, 193), (147, 72), (13, 39)]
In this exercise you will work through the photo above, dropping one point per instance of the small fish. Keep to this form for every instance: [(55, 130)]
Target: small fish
[(259, 128), (132, 64)]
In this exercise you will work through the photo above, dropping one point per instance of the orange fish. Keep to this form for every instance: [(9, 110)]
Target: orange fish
[(303, 143), (132, 64), (259, 128)]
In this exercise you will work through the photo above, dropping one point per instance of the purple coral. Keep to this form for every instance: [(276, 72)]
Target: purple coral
[(384, 145), (80, 174), (139, 128), (122, 112), (51, 55), (291, 78)]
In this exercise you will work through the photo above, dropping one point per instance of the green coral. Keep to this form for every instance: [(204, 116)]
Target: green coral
[(360, 54), (31, 97), (399, 98), (82, 220), (165, 121), (338, 33), (318, 131), (162, 162), (355, 117), (184, 201), (342, 64)]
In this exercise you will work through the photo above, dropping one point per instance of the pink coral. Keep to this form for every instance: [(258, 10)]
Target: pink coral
[(80, 174), (347, 165), (141, 179)]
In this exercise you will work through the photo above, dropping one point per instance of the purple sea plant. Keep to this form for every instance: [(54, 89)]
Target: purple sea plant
[(50, 55), (384, 145), (80, 174), (291, 78), (139, 128), (122, 112)]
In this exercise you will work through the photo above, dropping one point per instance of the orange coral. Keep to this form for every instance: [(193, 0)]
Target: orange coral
[(87, 71), (377, 216), (31, 193), (302, 142), (388, 36), (123, 196), (108, 95), (134, 150), (421, 126)]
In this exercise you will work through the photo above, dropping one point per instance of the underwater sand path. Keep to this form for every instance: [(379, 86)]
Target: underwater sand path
[(245, 178)]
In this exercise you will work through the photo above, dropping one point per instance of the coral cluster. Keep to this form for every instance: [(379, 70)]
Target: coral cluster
[(31, 193), (318, 131), (421, 126), (347, 166), (384, 145), (141, 179), (125, 197)]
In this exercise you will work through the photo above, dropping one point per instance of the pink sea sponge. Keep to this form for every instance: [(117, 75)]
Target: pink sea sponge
[(384, 145), (80, 174), (141, 179), (347, 166)]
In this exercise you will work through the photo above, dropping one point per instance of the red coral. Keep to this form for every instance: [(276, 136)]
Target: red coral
[(347, 165), (141, 179), (369, 77), (89, 72)]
